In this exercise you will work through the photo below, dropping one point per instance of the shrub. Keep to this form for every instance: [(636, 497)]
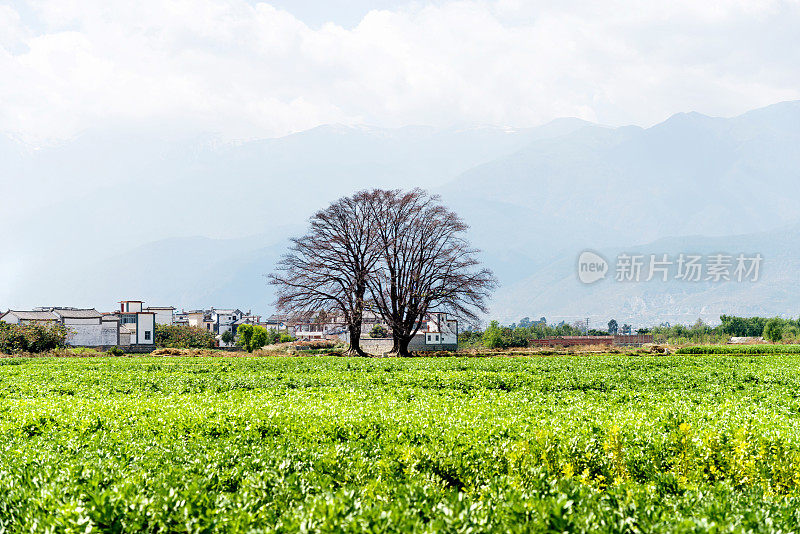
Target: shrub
[(379, 331), (115, 351), (253, 337), (285, 338), (32, 337), (184, 337)]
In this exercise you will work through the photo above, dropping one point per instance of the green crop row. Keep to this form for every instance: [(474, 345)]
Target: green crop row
[(323, 444), (740, 349)]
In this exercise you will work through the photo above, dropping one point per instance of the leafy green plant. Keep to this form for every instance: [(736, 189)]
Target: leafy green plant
[(34, 338), (184, 337), (602, 443)]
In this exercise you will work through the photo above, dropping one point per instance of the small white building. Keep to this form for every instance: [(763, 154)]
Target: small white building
[(441, 330), (140, 325)]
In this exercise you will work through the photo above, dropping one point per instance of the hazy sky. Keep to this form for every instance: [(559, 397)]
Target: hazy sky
[(260, 69)]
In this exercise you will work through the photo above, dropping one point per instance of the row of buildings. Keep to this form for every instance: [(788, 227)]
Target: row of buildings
[(133, 325)]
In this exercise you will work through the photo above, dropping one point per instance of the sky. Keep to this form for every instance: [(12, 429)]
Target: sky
[(245, 69)]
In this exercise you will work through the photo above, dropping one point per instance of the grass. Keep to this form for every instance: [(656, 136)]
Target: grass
[(613, 443)]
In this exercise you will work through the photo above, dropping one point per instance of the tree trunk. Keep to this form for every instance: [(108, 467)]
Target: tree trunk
[(400, 348), (355, 341)]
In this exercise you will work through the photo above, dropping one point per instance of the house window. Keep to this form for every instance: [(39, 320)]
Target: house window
[(147, 335)]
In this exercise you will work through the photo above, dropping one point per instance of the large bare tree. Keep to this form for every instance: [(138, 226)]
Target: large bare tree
[(327, 269), (426, 264)]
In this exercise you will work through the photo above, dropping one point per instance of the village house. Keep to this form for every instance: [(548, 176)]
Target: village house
[(224, 320), (276, 322), (441, 332), (88, 327), (181, 318), (137, 326)]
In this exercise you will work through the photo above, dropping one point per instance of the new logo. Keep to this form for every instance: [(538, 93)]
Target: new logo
[(591, 267)]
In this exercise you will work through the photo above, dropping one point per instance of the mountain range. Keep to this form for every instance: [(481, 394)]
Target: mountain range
[(193, 221)]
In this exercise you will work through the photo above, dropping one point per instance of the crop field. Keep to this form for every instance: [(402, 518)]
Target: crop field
[(740, 349), (610, 443)]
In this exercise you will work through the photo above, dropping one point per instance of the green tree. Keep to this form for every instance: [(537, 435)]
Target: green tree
[(261, 337), (493, 336), (613, 327), (227, 337), (245, 336), (379, 331), (773, 330)]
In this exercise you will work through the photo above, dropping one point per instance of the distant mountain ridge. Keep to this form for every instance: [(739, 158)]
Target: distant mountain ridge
[(113, 212)]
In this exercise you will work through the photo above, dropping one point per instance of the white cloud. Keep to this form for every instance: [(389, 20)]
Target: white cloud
[(252, 70)]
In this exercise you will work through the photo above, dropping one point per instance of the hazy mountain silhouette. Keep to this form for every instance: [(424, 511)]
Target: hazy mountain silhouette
[(112, 213)]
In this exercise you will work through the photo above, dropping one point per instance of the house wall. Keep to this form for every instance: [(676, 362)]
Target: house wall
[(109, 333), (146, 323), (85, 332), (196, 320), (10, 319), (124, 339), (131, 307), (163, 316)]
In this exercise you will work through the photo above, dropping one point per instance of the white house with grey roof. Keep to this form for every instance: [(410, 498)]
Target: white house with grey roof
[(88, 327)]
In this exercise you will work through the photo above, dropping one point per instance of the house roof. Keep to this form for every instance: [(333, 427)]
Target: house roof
[(32, 315), (73, 313), (225, 312), (160, 308), (110, 317)]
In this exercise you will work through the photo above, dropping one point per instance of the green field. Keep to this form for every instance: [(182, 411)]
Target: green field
[(613, 443), (740, 349)]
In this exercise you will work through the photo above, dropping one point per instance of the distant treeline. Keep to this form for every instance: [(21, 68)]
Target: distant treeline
[(774, 329), (496, 336), (519, 335)]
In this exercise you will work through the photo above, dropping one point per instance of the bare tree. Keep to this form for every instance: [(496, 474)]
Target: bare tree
[(426, 264), (327, 269)]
